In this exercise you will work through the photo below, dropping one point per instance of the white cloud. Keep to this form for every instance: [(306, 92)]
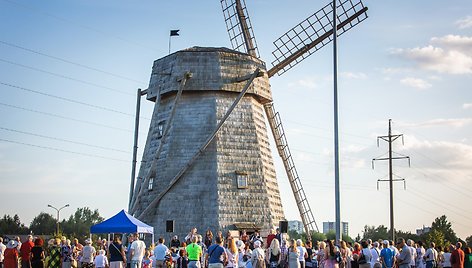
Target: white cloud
[(465, 22), (351, 75), (416, 83), (440, 122), (459, 43), (467, 106), (307, 83)]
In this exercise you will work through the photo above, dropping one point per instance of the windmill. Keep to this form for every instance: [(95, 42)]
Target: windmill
[(294, 46), (207, 161)]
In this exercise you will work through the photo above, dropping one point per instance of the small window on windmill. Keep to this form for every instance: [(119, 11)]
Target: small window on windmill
[(160, 129), (150, 184), (241, 180)]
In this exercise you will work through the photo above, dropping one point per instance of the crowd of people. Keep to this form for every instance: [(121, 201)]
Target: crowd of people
[(230, 251)]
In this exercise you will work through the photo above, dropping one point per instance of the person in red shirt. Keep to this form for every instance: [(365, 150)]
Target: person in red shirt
[(270, 237), (11, 255), (25, 251), (457, 257)]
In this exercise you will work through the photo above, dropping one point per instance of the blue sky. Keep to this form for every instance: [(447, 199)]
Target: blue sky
[(69, 71)]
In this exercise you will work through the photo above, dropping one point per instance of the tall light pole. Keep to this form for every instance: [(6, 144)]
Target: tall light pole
[(57, 219)]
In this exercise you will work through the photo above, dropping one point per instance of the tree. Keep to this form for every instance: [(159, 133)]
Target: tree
[(12, 225), (407, 235), (468, 241), (78, 225), (435, 236), (441, 225), (316, 237), (370, 232), (43, 224)]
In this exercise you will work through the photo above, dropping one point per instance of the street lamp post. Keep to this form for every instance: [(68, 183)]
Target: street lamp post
[(57, 219)]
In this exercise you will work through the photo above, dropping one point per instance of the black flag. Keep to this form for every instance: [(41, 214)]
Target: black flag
[(174, 32)]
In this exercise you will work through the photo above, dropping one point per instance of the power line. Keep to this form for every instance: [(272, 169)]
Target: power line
[(66, 77), (64, 140), (82, 26), (62, 150), (69, 62), (69, 100), (65, 117)]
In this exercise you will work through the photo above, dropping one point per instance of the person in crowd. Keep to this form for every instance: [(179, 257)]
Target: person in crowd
[(365, 256), (420, 252), (66, 254), (283, 262), (255, 237), (440, 251), (330, 252), (293, 255), (241, 252), (147, 261), (273, 254), (116, 253), (101, 261), (346, 256), (87, 255), (258, 255), (25, 251), (431, 256), (55, 254), (128, 250), (204, 249), (2, 251), (208, 240), (216, 254), (446, 257), (175, 242), (278, 235), (320, 256), (160, 252), (467, 257), (387, 255), (190, 235), (303, 253), (37, 254), (309, 252), (247, 254), (404, 258), (194, 252), (375, 252), (137, 248), (10, 256), (411, 244), (232, 253), (270, 237), (244, 237), (458, 256), (182, 261)]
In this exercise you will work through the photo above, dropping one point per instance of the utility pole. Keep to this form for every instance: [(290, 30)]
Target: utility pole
[(390, 139)]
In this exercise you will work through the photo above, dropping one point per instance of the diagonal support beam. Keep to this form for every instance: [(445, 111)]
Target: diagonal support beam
[(152, 171), (178, 176)]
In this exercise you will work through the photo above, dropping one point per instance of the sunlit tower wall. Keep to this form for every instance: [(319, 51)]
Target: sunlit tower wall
[(233, 182)]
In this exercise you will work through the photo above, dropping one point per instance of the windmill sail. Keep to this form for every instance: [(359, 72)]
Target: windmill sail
[(314, 33), (239, 27)]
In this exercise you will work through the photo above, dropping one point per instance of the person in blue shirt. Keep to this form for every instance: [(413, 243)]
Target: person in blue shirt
[(216, 254), (387, 255)]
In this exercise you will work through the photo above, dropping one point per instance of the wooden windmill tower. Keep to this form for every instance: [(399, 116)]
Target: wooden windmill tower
[(207, 161)]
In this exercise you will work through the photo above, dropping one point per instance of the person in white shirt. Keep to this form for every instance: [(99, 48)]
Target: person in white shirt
[(137, 252), (2, 250), (303, 253), (160, 252), (101, 261), (410, 243), (431, 256), (375, 254)]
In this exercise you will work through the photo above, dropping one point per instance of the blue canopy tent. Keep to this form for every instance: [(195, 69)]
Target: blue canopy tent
[(122, 223)]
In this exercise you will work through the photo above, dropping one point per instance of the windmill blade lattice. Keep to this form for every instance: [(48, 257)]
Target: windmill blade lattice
[(239, 26), (314, 33)]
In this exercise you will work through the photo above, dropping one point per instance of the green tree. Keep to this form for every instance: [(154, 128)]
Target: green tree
[(442, 225), (468, 241), (12, 225), (407, 235), (78, 225), (435, 236), (316, 237), (371, 232), (43, 224)]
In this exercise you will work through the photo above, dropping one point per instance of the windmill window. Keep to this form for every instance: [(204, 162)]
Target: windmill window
[(150, 184), (160, 129), (241, 180)]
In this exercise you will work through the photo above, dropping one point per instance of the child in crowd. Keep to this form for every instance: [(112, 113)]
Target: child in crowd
[(147, 261), (101, 261)]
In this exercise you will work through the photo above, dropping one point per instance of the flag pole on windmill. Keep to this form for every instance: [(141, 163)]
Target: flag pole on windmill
[(173, 33)]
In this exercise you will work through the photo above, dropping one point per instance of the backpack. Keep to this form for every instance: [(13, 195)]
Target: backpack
[(361, 259), (260, 260)]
